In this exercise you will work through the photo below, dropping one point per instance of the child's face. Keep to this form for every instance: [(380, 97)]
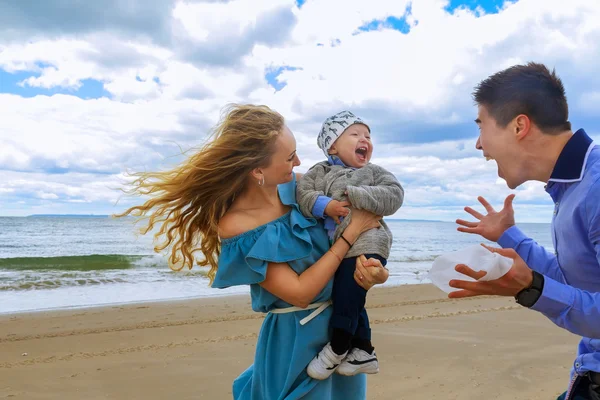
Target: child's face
[(354, 146)]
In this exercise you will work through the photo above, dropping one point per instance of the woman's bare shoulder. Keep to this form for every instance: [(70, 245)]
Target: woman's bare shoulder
[(234, 223)]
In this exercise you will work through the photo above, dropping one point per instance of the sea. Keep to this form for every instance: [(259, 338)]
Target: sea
[(65, 262)]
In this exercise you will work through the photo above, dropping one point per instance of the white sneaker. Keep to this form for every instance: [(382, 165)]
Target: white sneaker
[(325, 363), (357, 362)]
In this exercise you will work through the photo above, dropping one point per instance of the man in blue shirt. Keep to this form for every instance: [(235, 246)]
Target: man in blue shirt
[(523, 122)]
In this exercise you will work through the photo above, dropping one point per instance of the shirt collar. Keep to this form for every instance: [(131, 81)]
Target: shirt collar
[(335, 160), (571, 162)]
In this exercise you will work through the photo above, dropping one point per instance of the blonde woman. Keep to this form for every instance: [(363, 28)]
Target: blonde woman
[(235, 199)]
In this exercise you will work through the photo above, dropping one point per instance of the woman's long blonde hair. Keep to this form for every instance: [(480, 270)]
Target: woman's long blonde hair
[(188, 201)]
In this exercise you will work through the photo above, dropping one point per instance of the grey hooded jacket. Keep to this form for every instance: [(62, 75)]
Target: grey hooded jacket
[(370, 188)]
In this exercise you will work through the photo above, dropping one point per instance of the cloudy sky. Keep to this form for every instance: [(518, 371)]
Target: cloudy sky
[(91, 90)]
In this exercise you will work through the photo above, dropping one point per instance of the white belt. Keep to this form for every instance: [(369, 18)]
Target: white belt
[(318, 307)]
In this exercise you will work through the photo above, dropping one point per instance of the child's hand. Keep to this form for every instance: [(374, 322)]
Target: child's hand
[(336, 209)]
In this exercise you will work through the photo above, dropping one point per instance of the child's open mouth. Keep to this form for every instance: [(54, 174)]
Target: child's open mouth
[(361, 152)]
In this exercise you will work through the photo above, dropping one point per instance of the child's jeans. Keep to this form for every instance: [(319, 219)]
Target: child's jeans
[(349, 298)]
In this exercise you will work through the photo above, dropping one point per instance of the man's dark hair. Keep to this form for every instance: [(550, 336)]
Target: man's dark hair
[(529, 89)]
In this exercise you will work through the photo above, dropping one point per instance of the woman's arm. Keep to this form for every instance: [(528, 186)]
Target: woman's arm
[(367, 274), (300, 290)]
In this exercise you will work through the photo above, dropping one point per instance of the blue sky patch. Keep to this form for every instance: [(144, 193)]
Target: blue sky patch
[(398, 24), (10, 83), (392, 22), (272, 74), (489, 6)]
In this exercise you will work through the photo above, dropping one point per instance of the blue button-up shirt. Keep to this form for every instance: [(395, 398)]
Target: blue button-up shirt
[(571, 297)]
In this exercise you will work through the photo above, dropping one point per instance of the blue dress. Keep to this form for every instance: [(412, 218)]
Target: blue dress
[(284, 347)]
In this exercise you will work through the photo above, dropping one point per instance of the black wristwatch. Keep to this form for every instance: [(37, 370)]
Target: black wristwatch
[(528, 296)]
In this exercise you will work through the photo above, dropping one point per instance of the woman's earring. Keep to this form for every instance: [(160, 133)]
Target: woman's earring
[(261, 181)]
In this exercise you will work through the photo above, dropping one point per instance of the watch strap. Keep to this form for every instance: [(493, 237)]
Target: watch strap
[(530, 295)]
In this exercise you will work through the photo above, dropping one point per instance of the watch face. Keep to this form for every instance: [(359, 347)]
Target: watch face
[(529, 297)]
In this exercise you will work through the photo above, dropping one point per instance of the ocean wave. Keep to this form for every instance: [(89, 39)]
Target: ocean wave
[(24, 280), (93, 262), (101, 262), (412, 258), (56, 283)]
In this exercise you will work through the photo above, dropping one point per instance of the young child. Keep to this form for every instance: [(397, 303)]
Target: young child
[(348, 178)]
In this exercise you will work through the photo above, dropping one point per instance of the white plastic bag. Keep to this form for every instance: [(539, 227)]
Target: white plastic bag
[(477, 257)]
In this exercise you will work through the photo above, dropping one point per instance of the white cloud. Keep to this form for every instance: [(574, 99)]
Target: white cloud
[(47, 196), (324, 21), (169, 82), (426, 72)]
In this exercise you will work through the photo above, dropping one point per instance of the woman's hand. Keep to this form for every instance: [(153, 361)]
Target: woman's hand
[(369, 272), (362, 221)]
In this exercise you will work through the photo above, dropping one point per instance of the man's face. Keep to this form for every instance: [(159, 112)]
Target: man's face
[(500, 144)]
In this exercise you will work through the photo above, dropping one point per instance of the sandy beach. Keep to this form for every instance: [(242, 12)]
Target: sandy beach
[(429, 347)]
